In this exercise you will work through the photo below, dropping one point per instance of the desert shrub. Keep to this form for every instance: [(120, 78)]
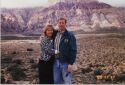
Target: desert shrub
[(18, 61), (34, 65), (120, 77), (29, 49), (111, 29), (2, 80), (14, 52), (98, 72), (31, 61), (16, 72), (86, 70), (6, 59)]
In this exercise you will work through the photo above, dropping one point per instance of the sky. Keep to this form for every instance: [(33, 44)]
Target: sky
[(36, 3), (117, 3)]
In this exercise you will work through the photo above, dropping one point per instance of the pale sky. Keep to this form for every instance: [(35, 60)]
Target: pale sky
[(24, 3), (34, 3), (114, 2)]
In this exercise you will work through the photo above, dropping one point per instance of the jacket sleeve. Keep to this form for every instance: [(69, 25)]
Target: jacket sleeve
[(73, 49), (46, 48)]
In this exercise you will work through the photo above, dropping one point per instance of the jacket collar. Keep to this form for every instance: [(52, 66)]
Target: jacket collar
[(65, 33)]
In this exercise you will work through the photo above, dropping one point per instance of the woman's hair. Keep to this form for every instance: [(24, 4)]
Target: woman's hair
[(46, 28)]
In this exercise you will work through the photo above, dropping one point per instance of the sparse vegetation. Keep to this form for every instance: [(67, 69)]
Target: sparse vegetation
[(2, 79), (110, 30), (16, 72), (17, 61), (29, 49), (14, 52), (98, 72), (100, 59), (32, 61), (34, 66), (6, 59)]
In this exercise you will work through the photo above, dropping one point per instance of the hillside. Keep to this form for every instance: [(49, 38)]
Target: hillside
[(86, 15)]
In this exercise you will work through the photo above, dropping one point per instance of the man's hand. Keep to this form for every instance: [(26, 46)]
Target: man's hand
[(70, 68)]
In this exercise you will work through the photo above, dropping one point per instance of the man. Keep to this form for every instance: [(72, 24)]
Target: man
[(66, 49)]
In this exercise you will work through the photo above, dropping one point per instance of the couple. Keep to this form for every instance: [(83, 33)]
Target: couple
[(58, 53)]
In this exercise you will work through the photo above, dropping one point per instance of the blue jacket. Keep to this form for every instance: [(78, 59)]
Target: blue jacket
[(67, 48)]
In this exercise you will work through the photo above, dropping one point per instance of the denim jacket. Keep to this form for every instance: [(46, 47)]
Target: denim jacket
[(67, 47)]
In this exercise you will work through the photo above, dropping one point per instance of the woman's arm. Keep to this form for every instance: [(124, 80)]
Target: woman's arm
[(47, 47)]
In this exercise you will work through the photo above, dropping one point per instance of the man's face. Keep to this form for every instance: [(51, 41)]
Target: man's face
[(62, 24)]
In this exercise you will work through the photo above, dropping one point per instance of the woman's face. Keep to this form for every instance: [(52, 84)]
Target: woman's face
[(49, 32)]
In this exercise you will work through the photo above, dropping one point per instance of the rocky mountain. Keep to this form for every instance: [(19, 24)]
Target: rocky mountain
[(15, 20), (86, 15)]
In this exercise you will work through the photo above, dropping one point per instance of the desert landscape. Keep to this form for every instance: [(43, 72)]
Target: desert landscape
[(100, 60), (99, 28)]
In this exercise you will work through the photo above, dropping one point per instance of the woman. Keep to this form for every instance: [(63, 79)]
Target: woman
[(46, 57)]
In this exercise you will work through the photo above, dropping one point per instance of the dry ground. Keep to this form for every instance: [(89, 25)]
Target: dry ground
[(99, 55)]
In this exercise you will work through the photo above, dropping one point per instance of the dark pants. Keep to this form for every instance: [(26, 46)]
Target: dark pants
[(46, 71)]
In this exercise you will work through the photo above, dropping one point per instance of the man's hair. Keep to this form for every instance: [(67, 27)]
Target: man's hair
[(63, 19)]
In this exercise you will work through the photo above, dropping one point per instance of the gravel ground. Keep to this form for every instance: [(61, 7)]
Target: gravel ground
[(100, 59)]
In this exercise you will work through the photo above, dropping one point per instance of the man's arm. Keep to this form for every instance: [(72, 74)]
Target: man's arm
[(73, 49), (73, 52)]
